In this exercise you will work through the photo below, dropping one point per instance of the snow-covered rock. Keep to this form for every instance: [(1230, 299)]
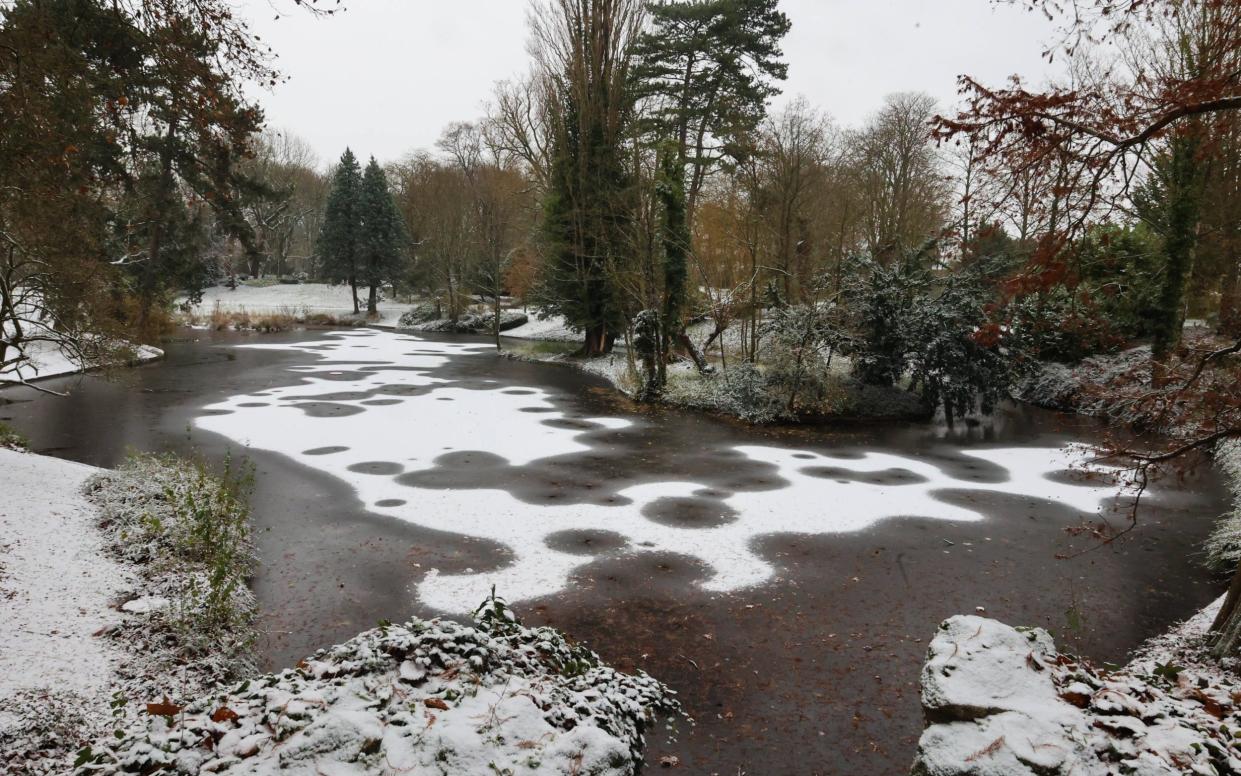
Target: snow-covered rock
[(999, 700), (424, 697)]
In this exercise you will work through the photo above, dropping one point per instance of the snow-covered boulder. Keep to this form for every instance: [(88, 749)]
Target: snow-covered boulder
[(424, 697), (999, 700)]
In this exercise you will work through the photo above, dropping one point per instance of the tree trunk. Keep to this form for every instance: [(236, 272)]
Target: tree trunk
[(1230, 299), (372, 300), (353, 288), (163, 192), (700, 362), (495, 323), (1226, 630), (1179, 241), (598, 341)]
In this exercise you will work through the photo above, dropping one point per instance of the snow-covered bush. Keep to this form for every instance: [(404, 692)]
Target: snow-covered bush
[(187, 531), (741, 391), (799, 339), (418, 314), (469, 323), (1224, 546), (432, 697)]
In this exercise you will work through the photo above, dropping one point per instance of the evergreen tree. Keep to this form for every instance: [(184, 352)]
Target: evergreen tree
[(1171, 202), (382, 234), (340, 237), (589, 203), (709, 67)]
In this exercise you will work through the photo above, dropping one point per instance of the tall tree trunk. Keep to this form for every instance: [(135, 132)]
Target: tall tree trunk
[(1230, 296), (1184, 200), (163, 191), (353, 288), (372, 300), (1226, 630), (495, 319)]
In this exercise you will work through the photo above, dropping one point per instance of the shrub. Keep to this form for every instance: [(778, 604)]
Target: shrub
[(741, 391), (188, 531), (12, 440)]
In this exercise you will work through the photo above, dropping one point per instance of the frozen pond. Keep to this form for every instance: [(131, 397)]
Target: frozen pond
[(784, 580), (507, 464)]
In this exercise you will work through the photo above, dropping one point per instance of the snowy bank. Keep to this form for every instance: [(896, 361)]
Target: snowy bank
[(295, 299), (423, 697), (47, 361), (1001, 700), (424, 318), (57, 590), (112, 604)]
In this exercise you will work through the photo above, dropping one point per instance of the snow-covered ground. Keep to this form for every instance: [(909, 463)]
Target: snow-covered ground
[(292, 299), (392, 420), (46, 360), (552, 329), (80, 638), (57, 588)]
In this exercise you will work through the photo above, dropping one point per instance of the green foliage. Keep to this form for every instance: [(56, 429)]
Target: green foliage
[(341, 234), (11, 439), (1121, 269), (188, 530), (881, 302), (584, 216), (114, 119), (381, 235), (740, 391), (710, 67), (670, 188), (936, 330), (1171, 202), (799, 340), (955, 358)]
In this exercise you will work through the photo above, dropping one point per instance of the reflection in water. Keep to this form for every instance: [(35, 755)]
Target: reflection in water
[(511, 466)]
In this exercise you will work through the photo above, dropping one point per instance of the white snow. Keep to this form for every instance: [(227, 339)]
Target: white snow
[(552, 328), (47, 360), (417, 429), (293, 299), (56, 583)]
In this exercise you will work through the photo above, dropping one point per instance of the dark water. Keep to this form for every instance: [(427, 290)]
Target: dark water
[(813, 673)]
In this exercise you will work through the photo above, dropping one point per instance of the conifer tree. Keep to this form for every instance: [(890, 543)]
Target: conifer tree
[(339, 238), (382, 234), (710, 68)]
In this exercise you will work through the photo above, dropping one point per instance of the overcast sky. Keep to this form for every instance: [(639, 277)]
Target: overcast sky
[(386, 76)]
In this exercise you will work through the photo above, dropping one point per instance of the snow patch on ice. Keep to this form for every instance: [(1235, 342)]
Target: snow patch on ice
[(516, 427)]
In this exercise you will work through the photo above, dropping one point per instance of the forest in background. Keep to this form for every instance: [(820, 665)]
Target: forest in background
[(635, 183)]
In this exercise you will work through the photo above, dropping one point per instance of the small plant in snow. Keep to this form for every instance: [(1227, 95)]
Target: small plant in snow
[(188, 532), (12, 440)]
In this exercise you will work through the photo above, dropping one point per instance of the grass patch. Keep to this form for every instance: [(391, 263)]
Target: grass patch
[(266, 322), (11, 439), (540, 347)]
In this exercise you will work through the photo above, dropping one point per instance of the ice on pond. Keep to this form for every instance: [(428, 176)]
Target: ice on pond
[(457, 453)]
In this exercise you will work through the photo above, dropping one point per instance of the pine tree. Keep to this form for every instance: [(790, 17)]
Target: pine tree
[(710, 66), (339, 239), (382, 234)]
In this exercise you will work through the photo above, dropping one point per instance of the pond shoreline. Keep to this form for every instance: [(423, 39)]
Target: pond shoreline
[(784, 660)]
